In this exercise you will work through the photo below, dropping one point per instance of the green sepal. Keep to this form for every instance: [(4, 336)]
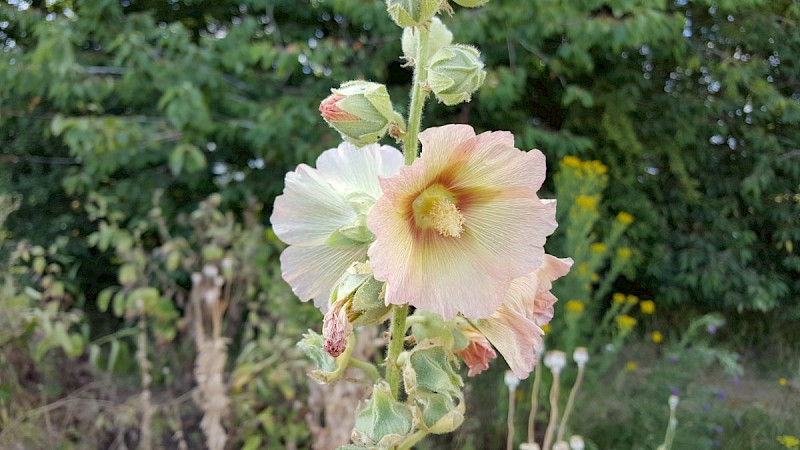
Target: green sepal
[(438, 413), (430, 366), (455, 72), (382, 421), (412, 13), (439, 37)]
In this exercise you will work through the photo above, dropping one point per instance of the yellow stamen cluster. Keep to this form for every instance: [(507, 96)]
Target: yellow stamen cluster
[(435, 208), (447, 219)]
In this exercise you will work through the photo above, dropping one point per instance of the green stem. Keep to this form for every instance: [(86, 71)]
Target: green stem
[(397, 334), (369, 369), (413, 439), (418, 94)]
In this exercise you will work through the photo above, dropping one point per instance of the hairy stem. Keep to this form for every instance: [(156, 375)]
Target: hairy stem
[(397, 334), (418, 94)]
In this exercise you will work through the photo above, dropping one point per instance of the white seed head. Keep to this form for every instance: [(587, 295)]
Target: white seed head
[(581, 356), (555, 360), (511, 380), (673, 402), (576, 442)]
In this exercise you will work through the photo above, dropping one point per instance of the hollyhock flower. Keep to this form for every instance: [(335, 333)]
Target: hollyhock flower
[(477, 353), (322, 216), (455, 228), (515, 328)]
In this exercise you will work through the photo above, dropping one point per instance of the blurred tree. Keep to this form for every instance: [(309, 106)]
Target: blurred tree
[(694, 107)]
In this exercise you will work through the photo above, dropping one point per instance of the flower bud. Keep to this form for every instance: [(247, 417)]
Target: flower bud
[(412, 13), (471, 3), (311, 345), (360, 111), (383, 421), (454, 73), (439, 37)]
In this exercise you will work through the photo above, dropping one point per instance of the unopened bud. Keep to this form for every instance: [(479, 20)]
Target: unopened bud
[(455, 72), (360, 111), (412, 13), (471, 3), (439, 37)]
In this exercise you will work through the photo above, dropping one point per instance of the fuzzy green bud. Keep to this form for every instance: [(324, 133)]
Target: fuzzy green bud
[(471, 3), (430, 367), (455, 72), (413, 13), (360, 111), (439, 37), (438, 413), (383, 421), (311, 345)]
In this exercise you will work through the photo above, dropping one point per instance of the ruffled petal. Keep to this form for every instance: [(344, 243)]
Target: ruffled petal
[(352, 169), (515, 337), (309, 210), (313, 271)]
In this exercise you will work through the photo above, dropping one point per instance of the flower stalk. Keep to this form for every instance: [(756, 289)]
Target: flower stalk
[(419, 93), (397, 333)]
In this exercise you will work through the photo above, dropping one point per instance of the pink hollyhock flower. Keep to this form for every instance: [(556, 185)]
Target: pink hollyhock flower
[(515, 328), (322, 216), (457, 226), (477, 353)]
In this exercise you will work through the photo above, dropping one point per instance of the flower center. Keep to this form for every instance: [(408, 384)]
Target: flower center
[(435, 208)]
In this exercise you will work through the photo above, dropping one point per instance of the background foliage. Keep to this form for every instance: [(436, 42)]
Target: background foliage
[(119, 117)]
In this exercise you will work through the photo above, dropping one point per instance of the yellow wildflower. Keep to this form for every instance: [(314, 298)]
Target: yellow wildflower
[(583, 268), (789, 441), (571, 161), (657, 337), (624, 252), (618, 297), (597, 167), (597, 247), (575, 306), (586, 202), (783, 381), (632, 299), (595, 278), (625, 218), (625, 322), (647, 306), (631, 366), (546, 328)]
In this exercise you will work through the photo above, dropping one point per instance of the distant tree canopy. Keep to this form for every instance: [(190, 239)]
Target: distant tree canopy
[(694, 106)]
